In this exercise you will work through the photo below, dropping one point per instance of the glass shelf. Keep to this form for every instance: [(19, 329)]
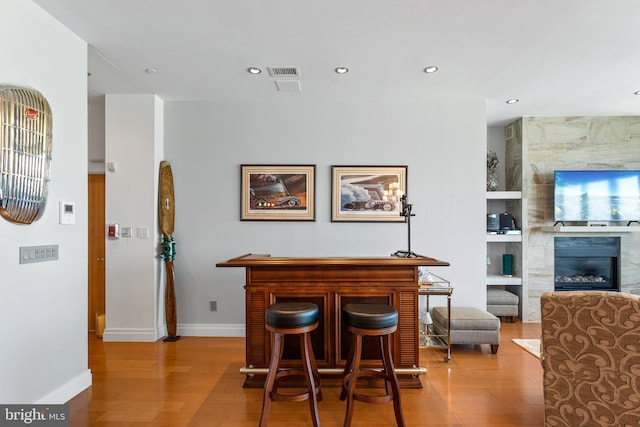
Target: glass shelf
[(432, 284)]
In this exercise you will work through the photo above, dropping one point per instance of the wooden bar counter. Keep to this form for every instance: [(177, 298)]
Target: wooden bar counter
[(332, 283)]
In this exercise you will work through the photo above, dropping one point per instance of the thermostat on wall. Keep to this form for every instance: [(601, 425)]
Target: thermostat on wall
[(67, 213)]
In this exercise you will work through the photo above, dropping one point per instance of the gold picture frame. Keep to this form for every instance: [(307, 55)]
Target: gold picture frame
[(367, 193), (277, 192)]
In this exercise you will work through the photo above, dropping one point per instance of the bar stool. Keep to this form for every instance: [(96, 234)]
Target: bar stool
[(378, 320), (292, 318)]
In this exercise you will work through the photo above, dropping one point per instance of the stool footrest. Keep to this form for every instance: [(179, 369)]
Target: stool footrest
[(367, 398), (299, 397), (294, 397), (366, 373)]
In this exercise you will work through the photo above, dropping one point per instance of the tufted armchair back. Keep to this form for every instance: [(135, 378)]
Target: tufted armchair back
[(591, 358)]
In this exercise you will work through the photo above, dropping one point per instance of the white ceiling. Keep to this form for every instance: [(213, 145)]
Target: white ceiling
[(558, 57)]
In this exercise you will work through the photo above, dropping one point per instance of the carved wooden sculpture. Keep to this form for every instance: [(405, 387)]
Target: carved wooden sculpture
[(166, 211)]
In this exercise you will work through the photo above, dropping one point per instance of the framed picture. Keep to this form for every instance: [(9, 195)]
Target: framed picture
[(277, 192), (367, 193)]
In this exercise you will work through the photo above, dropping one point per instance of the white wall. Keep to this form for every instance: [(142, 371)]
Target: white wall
[(442, 142), (134, 137), (43, 306)]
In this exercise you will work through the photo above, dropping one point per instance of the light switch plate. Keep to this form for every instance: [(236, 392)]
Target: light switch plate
[(31, 254), (142, 232)]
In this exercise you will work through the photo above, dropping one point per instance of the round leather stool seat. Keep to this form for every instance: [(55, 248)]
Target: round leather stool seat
[(291, 315), (370, 316)]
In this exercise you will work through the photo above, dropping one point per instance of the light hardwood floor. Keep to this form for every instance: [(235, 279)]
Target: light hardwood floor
[(196, 382)]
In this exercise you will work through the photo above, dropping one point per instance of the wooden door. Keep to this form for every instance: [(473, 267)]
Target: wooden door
[(96, 250)]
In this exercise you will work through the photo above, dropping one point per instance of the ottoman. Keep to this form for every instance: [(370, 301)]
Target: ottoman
[(502, 303), (469, 325)]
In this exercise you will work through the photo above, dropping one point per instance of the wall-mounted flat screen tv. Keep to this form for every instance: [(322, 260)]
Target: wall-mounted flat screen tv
[(597, 195)]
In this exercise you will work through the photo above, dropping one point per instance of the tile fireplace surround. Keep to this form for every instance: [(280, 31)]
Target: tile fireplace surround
[(535, 148)]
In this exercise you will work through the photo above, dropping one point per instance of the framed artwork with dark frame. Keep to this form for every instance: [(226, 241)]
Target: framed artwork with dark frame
[(277, 192), (367, 193)]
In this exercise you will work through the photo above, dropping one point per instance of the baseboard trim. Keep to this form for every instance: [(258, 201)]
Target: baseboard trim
[(211, 330), (130, 335), (184, 329), (68, 390)]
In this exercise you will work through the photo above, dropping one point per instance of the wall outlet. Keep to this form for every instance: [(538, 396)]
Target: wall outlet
[(213, 305)]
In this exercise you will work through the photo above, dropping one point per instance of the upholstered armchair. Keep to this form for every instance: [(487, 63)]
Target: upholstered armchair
[(591, 358)]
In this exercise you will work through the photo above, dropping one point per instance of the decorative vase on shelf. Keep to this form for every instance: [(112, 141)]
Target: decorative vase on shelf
[(492, 175)]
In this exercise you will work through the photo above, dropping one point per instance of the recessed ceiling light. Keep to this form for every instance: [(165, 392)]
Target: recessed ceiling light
[(342, 70), (513, 101), (150, 71), (254, 70), (431, 69), (636, 92)]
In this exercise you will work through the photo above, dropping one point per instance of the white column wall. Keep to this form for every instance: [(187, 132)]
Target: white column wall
[(133, 145)]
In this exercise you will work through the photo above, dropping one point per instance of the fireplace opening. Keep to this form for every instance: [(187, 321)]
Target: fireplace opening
[(587, 263)]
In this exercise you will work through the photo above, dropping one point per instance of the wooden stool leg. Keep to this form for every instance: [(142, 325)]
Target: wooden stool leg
[(314, 367), (308, 363), (387, 361), (353, 379), (387, 380), (276, 354), (347, 367)]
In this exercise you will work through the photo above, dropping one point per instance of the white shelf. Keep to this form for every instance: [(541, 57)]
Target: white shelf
[(504, 195), (587, 229), (504, 237), (497, 279)]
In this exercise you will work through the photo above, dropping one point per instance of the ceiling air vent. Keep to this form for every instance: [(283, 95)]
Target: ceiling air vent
[(289, 85), (284, 71)]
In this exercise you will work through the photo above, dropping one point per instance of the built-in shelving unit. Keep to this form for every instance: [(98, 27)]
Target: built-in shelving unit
[(498, 244)]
